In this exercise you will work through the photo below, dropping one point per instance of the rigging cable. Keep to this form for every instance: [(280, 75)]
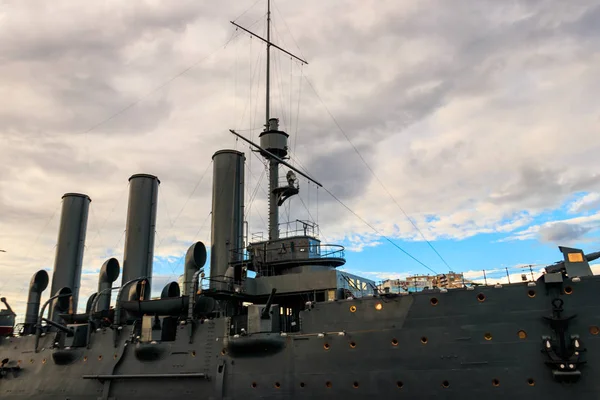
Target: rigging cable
[(377, 232), (373, 173), (186, 202)]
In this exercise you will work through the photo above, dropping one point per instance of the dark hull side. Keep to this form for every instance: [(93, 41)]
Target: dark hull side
[(466, 344)]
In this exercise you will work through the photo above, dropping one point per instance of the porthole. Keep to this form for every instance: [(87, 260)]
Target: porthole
[(531, 382), (277, 385), (378, 306), (302, 384), (352, 308), (568, 290), (326, 346), (594, 330), (522, 334), (84, 358), (433, 301), (424, 340), (394, 342), (193, 353), (328, 384), (487, 336), (115, 356), (100, 358), (352, 345), (44, 361), (253, 385), (531, 293), (481, 297), (355, 385), (445, 384), (399, 384), (223, 352), (495, 382)]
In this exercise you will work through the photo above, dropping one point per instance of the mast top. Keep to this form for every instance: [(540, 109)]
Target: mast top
[(273, 142)]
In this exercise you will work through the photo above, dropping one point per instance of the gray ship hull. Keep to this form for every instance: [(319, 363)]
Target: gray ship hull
[(482, 343)]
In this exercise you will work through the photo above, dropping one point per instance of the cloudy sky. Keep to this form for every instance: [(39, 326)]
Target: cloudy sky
[(478, 119)]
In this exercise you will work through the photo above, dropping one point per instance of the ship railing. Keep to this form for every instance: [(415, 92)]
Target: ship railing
[(291, 229), (291, 253)]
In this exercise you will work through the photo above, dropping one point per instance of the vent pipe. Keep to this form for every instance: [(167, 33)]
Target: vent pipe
[(195, 258), (69, 249), (38, 283), (108, 274), (140, 230), (227, 215)]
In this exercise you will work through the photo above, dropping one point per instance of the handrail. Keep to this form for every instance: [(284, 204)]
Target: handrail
[(92, 308), (38, 327), (117, 318), (323, 251)]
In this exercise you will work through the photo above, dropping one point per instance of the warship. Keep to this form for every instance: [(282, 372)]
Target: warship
[(297, 326)]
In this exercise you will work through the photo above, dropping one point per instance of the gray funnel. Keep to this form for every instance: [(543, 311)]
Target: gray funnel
[(140, 230), (39, 283), (69, 249), (227, 215)]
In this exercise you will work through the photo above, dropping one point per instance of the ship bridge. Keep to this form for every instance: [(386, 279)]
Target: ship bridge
[(297, 249)]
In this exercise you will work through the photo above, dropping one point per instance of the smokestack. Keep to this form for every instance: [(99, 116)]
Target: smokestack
[(69, 250), (141, 226), (39, 283), (195, 258), (108, 274), (227, 214)]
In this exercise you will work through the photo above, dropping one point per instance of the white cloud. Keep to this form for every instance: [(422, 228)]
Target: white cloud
[(562, 231), (589, 202)]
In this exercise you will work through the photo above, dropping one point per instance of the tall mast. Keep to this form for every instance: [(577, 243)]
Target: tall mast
[(268, 95), (273, 140), (273, 164)]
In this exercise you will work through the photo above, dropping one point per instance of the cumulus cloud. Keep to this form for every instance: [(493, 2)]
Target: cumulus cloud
[(460, 111)]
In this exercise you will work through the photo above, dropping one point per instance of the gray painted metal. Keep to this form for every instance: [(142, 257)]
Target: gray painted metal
[(108, 274), (274, 141), (460, 348), (140, 229), (69, 249), (227, 232), (195, 258), (39, 283)]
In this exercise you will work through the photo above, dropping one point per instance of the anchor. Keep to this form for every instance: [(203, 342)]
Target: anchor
[(564, 356)]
